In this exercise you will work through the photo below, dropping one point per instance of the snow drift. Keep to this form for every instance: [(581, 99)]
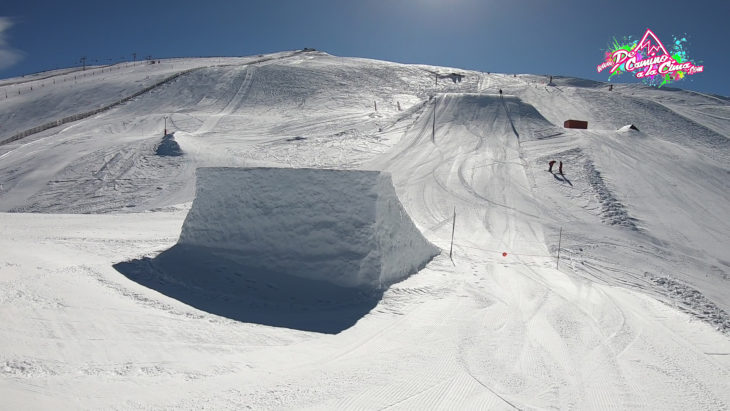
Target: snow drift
[(347, 228)]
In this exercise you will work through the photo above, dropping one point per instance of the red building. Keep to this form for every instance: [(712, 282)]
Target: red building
[(575, 124)]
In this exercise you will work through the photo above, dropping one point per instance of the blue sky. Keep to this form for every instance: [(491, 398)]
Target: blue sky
[(517, 36)]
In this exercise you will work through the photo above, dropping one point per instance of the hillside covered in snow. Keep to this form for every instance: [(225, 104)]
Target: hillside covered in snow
[(101, 309)]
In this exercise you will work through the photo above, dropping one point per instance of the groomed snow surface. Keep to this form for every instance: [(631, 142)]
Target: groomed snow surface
[(127, 284)]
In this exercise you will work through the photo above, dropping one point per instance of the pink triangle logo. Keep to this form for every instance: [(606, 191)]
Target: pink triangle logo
[(649, 48)]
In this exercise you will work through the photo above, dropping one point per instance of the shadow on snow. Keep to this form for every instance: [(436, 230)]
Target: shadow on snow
[(215, 282)]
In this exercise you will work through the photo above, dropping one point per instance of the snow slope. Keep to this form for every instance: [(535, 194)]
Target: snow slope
[(634, 316)]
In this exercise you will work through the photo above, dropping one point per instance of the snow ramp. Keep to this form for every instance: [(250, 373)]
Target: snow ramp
[(347, 228)]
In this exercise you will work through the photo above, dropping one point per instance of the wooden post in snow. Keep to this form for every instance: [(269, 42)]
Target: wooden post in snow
[(560, 238)]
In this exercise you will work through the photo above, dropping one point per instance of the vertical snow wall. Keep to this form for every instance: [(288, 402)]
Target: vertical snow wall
[(346, 227)]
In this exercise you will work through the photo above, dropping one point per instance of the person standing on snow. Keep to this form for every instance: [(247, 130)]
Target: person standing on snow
[(560, 168), (551, 163), (500, 92)]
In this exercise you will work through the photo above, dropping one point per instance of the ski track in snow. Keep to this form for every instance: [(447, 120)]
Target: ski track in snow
[(634, 318)]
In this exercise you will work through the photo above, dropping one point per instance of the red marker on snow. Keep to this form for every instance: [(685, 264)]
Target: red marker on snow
[(504, 254)]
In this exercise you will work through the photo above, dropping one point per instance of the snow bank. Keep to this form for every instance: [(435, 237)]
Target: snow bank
[(168, 147), (344, 227)]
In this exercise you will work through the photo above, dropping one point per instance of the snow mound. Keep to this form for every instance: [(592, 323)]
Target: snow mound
[(168, 147), (628, 128), (347, 228)]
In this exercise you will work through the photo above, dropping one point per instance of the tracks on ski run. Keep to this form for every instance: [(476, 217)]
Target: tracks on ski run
[(234, 103)]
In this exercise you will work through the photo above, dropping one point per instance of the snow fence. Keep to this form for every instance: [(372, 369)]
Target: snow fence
[(345, 227)]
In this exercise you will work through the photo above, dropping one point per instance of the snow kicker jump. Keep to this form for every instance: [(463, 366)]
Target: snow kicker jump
[(343, 227), (274, 246)]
